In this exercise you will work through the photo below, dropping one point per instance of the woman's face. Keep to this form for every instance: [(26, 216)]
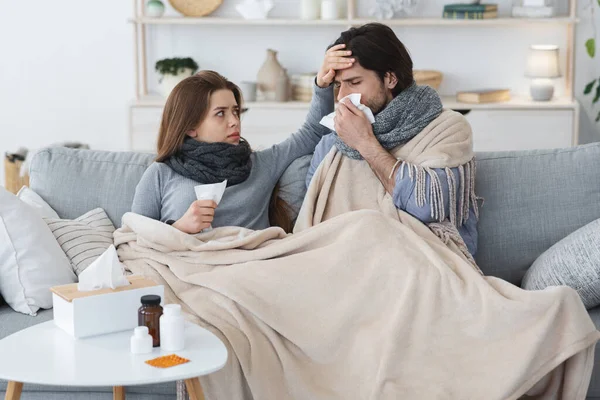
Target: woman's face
[(222, 122)]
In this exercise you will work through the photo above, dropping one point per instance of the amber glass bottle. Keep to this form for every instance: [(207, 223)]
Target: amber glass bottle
[(149, 315)]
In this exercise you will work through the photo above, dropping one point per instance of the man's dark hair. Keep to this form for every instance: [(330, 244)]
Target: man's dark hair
[(377, 48)]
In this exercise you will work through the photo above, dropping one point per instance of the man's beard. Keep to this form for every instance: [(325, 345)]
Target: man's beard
[(379, 102)]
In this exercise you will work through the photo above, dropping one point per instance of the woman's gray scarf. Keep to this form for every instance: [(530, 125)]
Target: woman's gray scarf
[(212, 162), (402, 119)]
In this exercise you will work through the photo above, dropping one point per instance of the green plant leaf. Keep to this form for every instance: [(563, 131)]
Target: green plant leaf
[(597, 96), (589, 86), (598, 116), (590, 46), (173, 65)]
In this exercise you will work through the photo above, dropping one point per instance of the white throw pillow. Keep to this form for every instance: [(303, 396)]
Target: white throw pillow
[(31, 261), (83, 239), (34, 200)]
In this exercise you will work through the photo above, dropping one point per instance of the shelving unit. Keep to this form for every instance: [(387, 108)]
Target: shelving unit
[(515, 103), (143, 99), (349, 22)]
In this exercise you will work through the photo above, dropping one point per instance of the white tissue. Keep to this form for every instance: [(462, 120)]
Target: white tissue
[(211, 191), (105, 272), (355, 99)]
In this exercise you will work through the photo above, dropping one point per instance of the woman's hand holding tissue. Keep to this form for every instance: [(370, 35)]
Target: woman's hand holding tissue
[(335, 59), (198, 217)]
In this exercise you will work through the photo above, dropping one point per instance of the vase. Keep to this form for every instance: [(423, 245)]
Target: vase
[(310, 9), (155, 8), (282, 89), (268, 74), (168, 82)]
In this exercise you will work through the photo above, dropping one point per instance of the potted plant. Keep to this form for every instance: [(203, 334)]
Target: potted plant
[(172, 71)]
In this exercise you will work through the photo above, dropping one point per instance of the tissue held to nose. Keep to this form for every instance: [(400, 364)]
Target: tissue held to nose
[(355, 99)]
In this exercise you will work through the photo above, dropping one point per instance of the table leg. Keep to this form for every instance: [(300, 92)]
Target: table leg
[(13, 391), (118, 393), (194, 389)]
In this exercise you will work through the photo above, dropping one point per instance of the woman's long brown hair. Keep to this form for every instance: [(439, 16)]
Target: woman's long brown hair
[(186, 108)]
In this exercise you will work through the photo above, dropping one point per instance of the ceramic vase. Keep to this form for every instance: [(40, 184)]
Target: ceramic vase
[(268, 74)]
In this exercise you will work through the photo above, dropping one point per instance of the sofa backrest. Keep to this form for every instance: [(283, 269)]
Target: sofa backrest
[(532, 199), (75, 181)]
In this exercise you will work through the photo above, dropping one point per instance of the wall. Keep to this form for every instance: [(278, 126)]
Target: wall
[(66, 73)]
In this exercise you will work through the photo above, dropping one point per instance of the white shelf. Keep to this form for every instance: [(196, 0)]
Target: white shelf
[(466, 22), (154, 100), (351, 22), (237, 21), (516, 103)]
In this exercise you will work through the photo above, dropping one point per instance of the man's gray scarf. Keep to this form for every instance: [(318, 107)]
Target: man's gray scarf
[(212, 162), (402, 119)]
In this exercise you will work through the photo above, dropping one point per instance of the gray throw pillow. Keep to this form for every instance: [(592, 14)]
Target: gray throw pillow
[(83, 239), (574, 261)]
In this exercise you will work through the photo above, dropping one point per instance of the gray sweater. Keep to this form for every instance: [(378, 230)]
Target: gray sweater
[(162, 194)]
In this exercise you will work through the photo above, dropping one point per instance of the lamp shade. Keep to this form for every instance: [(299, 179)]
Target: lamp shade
[(542, 62)]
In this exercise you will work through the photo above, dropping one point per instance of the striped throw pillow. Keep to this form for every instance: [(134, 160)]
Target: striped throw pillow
[(83, 239)]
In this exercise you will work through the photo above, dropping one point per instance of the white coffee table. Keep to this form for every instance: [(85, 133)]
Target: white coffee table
[(46, 355)]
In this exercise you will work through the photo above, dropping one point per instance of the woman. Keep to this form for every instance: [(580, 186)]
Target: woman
[(200, 142)]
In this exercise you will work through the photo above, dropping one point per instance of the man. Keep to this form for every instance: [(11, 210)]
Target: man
[(381, 72)]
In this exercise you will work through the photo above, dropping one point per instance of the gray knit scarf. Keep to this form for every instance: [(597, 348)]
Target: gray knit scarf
[(402, 119), (212, 162)]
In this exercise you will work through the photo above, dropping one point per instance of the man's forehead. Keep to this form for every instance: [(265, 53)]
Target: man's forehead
[(348, 74)]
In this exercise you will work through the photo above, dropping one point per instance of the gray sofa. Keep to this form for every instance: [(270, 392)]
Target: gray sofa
[(531, 200)]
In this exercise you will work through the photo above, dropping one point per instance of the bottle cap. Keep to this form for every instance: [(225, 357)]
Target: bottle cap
[(140, 331), (172, 309), (151, 300)]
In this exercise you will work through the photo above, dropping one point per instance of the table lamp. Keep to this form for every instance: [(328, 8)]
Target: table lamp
[(542, 66)]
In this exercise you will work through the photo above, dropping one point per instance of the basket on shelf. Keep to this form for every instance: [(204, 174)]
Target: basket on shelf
[(428, 77), (13, 181), (195, 8)]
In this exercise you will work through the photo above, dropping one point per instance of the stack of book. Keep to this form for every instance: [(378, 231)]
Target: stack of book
[(470, 11), (483, 95), (302, 86)]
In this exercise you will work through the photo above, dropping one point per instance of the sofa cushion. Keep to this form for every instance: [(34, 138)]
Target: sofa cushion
[(574, 261), (533, 199), (31, 261), (84, 238), (31, 198), (75, 181), (12, 321), (293, 184)]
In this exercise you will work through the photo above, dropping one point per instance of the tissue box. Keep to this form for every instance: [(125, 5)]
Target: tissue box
[(102, 311)]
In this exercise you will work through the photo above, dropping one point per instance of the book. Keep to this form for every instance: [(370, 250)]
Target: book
[(533, 12), (471, 7), (470, 14), (483, 96)]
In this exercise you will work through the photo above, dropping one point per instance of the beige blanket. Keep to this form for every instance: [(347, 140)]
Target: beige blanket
[(365, 304)]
